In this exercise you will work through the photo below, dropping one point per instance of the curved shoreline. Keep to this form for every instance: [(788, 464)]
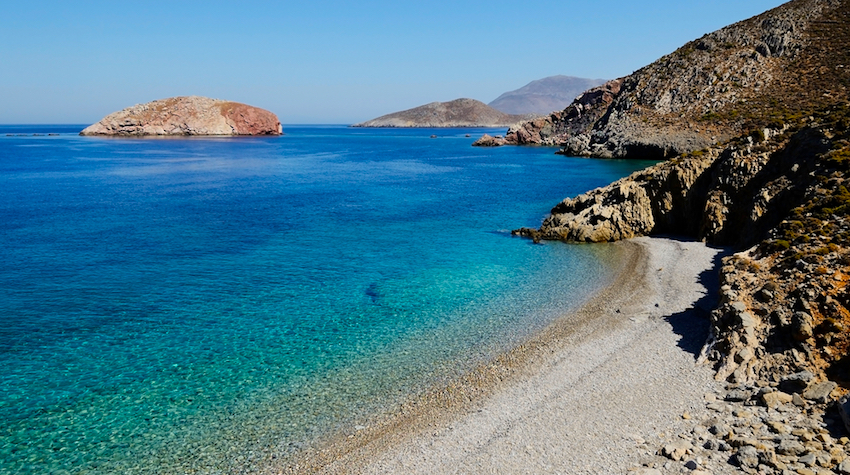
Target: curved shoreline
[(579, 373)]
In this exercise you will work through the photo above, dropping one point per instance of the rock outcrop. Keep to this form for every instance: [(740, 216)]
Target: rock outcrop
[(456, 113), (488, 140), (783, 197), (776, 191), (543, 96), (187, 115), (710, 90)]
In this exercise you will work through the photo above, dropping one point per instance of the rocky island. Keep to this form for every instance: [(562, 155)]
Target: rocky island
[(456, 113), (753, 124), (187, 115)]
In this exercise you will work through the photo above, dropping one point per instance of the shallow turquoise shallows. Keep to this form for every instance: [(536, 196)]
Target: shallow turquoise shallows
[(198, 305)]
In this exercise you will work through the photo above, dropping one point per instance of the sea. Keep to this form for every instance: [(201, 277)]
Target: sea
[(201, 305)]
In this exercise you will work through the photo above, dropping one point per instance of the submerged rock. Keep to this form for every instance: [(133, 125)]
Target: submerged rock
[(187, 115)]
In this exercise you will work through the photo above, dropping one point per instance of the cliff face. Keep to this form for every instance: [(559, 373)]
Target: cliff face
[(704, 93), (187, 115), (780, 194), (772, 183), (730, 195), (456, 113)]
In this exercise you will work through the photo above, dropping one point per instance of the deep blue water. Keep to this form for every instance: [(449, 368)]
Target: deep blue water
[(195, 305)]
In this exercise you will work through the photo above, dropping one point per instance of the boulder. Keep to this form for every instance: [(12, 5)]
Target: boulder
[(797, 382), (776, 399), (819, 392), (488, 140), (676, 451)]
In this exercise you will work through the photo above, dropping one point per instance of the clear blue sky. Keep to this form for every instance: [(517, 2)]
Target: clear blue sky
[(321, 61)]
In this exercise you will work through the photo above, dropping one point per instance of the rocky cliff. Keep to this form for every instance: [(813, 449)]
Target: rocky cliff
[(770, 181), (456, 113), (543, 96), (706, 92), (187, 115)]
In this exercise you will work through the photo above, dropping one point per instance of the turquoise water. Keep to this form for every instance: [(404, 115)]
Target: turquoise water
[(199, 305)]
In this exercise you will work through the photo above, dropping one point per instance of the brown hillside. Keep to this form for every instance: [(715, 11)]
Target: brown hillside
[(772, 68)]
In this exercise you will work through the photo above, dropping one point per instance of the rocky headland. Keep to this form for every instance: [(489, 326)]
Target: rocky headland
[(708, 91), (753, 125), (456, 113), (542, 96), (187, 115)]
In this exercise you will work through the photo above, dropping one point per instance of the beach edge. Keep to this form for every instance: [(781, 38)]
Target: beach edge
[(642, 296)]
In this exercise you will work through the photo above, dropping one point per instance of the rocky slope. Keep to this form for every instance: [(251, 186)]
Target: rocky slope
[(710, 90), (187, 115), (456, 113), (543, 95), (773, 184)]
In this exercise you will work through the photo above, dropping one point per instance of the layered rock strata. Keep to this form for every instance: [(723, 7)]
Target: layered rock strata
[(187, 115)]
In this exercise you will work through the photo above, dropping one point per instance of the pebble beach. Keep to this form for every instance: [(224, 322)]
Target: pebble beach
[(593, 393)]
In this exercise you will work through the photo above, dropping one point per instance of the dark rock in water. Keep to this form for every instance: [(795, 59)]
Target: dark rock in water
[(372, 292), (529, 233)]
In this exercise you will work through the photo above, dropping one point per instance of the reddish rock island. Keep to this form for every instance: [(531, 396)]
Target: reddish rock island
[(188, 115)]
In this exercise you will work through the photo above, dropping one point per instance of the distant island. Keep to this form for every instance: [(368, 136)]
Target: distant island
[(187, 115), (543, 96), (535, 99), (456, 113)]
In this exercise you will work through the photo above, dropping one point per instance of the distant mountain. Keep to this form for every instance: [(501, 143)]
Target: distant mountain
[(456, 113), (544, 95)]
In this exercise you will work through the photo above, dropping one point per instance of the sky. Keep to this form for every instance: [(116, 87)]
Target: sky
[(323, 61)]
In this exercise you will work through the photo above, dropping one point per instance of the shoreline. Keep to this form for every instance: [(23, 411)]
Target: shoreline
[(594, 387)]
